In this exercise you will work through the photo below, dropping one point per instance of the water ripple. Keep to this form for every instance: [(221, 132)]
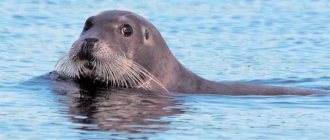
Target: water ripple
[(272, 42)]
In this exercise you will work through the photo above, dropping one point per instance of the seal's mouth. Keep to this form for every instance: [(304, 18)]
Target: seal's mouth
[(89, 66)]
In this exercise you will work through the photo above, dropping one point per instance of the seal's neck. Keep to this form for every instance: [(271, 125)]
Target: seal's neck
[(175, 77), (185, 81), (180, 79)]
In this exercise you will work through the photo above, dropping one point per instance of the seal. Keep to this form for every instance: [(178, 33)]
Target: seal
[(122, 49)]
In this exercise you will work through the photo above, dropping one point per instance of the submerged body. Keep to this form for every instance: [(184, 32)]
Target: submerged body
[(122, 49)]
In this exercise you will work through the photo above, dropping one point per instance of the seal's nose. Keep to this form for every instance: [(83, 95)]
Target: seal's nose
[(91, 40), (86, 49)]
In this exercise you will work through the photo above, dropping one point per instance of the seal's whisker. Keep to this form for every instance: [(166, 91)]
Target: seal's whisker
[(143, 71), (153, 78), (116, 70), (113, 68), (132, 74), (65, 65), (128, 74), (135, 76)]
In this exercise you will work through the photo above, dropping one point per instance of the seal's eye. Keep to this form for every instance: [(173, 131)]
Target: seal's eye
[(88, 24), (126, 30)]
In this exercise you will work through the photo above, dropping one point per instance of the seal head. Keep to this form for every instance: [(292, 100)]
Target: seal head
[(117, 48)]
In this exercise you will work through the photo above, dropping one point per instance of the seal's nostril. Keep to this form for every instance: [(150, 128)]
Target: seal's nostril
[(86, 49), (91, 40)]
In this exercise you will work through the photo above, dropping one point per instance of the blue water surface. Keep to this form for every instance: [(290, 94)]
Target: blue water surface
[(275, 42)]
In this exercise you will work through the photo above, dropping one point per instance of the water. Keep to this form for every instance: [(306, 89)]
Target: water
[(271, 42)]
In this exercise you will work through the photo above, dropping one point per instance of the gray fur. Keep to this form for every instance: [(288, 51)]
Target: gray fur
[(147, 48)]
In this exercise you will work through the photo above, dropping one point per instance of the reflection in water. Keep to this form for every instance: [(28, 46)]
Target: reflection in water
[(120, 110)]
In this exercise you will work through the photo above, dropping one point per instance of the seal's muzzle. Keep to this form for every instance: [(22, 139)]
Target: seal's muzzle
[(86, 49)]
